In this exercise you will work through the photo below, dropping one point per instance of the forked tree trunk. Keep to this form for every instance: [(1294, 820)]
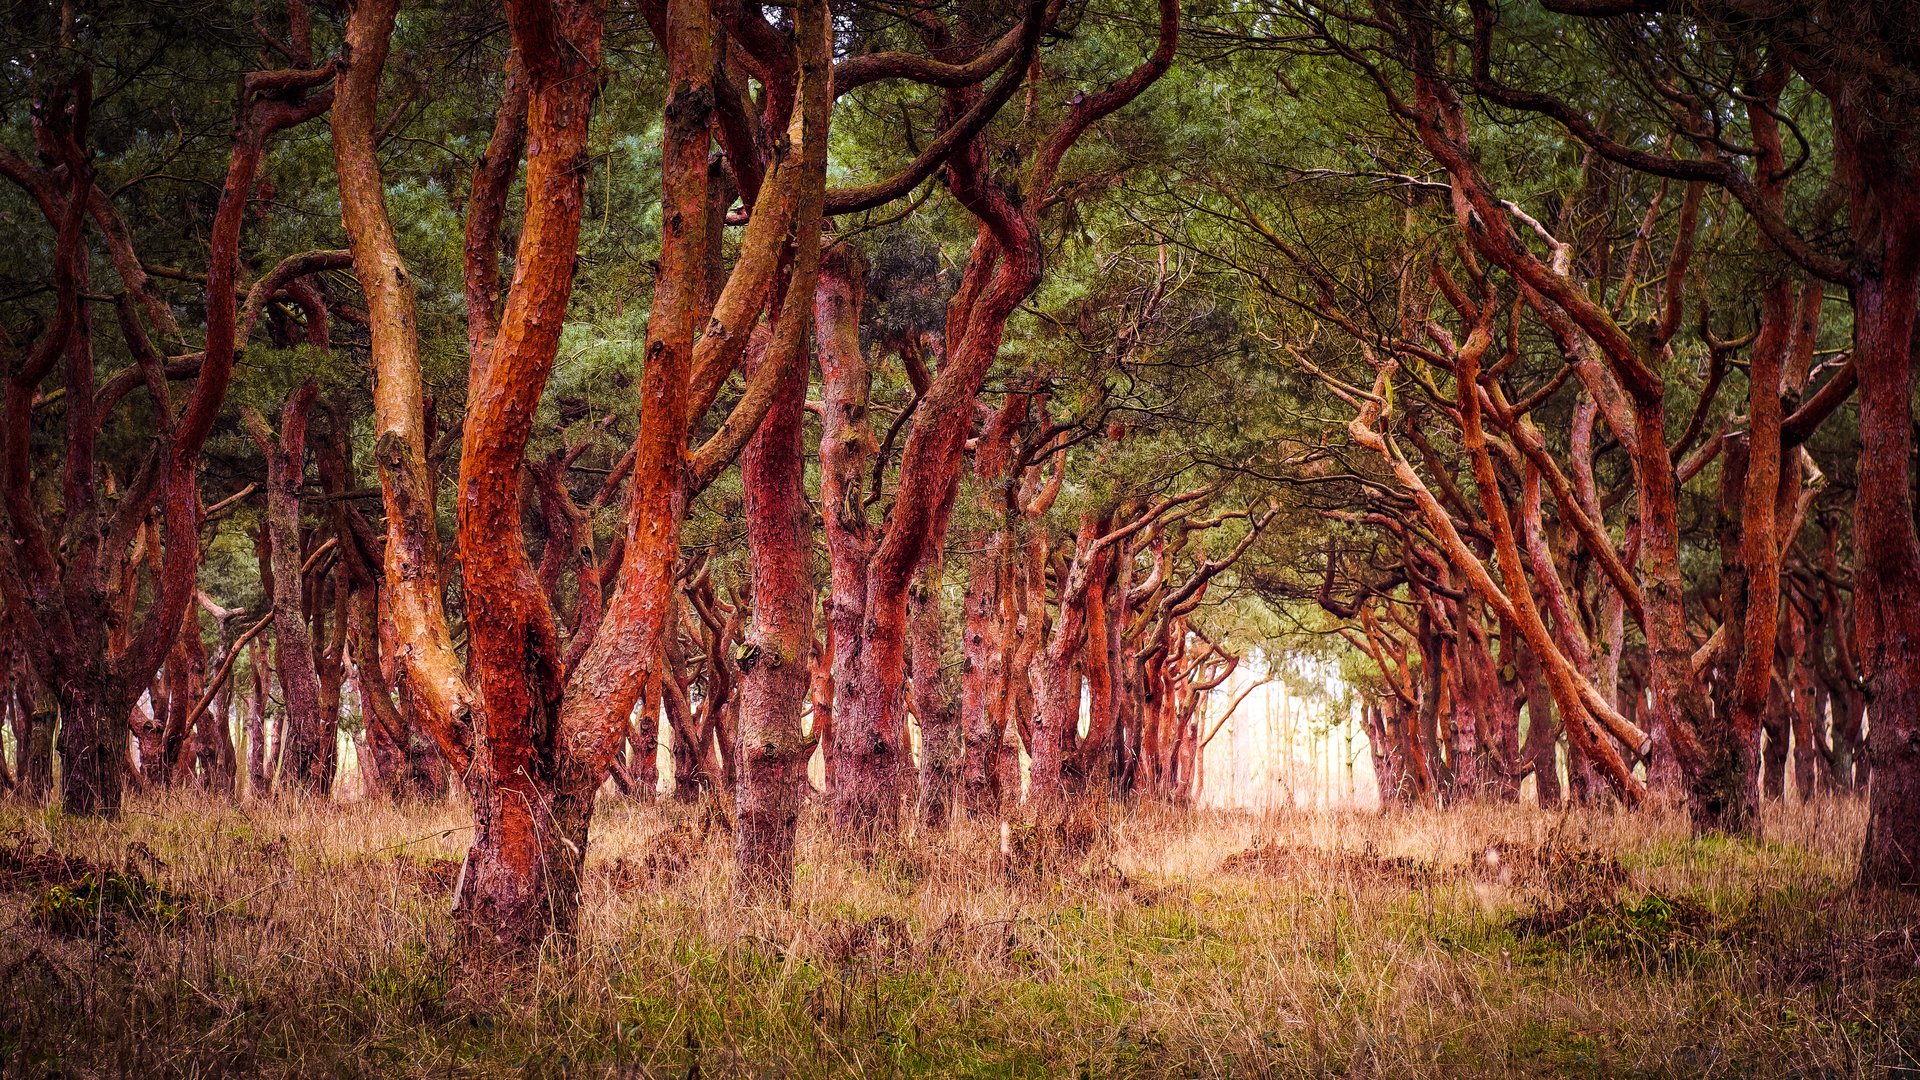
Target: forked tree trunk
[(97, 693), (1057, 682), (772, 750)]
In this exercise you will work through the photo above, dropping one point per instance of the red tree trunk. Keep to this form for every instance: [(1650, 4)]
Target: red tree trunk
[(519, 877), (772, 751), (1887, 551)]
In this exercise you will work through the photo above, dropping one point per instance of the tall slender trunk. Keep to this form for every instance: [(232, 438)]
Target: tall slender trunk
[(426, 664), (983, 676), (934, 701), (864, 760), (1094, 767), (1808, 764), (1472, 701), (773, 751), (307, 728), (259, 775), (1887, 550)]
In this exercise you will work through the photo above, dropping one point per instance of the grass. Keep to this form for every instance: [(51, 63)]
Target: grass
[(198, 938)]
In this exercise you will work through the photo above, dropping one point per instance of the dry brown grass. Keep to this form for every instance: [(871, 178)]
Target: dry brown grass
[(1493, 940)]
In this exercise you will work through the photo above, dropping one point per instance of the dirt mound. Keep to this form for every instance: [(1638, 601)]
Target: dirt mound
[(1650, 931), (1890, 955), (671, 854), (1366, 866), (76, 897), (432, 876), (1559, 868), (25, 863)]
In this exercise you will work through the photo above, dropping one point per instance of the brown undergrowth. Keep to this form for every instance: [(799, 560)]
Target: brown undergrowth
[(282, 939)]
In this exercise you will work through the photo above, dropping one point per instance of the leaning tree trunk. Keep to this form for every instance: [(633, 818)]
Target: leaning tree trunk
[(772, 751), (521, 877)]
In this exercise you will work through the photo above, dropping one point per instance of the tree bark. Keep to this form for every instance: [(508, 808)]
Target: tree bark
[(1887, 551), (307, 727), (934, 702), (259, 775), (773, 751), (428, 665), (983, 676)]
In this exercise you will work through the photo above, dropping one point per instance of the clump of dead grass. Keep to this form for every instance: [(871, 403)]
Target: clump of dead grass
[(1365, 866)]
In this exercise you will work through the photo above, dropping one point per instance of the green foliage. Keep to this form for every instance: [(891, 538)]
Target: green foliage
[(101, 899), (1651, 932)]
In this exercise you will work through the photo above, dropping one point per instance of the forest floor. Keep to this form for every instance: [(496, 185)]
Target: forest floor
[(200, 938)]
